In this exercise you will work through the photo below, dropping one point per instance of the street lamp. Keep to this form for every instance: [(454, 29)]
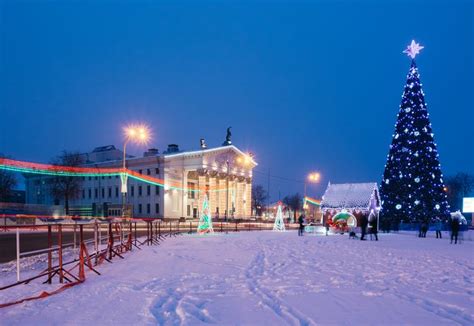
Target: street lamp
[(313, 177), (139, 134)]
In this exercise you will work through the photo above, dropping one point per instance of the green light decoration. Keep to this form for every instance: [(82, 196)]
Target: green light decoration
[(279, 224), (205, 221), (311, 201), (52, 170)]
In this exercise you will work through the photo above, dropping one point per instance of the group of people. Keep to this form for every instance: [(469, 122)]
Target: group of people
[(368, 225), (454, 224)]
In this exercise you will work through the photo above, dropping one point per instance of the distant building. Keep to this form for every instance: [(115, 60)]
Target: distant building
[(357, 199), (226, 173)]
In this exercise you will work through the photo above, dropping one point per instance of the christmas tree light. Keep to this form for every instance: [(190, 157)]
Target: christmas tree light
[(412, 187), (279, 224), (205, 221)]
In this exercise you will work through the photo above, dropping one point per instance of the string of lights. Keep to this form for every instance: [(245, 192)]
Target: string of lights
[(68, 171)]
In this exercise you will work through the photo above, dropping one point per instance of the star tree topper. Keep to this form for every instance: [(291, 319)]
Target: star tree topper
[(413, 49)]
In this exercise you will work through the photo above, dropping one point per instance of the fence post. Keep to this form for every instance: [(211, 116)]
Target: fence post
[(18, 254), (49, 253), (60, 252), (75, 234), (81, 253), (96, 245)]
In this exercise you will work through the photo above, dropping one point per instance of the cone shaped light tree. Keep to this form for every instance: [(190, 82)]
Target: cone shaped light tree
[(412, 188), (279, 223), (205, 220)]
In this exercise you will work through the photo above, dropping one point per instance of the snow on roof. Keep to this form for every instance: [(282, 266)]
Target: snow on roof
[(349, 195)]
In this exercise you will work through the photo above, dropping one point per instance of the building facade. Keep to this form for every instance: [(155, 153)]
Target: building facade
[(223, 174)]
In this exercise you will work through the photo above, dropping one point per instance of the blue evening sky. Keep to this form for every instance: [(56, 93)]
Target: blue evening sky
[(311, 85)]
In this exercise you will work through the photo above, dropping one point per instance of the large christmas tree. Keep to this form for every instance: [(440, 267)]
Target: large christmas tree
[(412, 188)]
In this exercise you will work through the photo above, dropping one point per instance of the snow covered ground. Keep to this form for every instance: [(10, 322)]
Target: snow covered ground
[(257, 278)]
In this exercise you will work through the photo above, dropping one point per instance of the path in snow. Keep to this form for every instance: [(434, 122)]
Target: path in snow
[(268, 278)]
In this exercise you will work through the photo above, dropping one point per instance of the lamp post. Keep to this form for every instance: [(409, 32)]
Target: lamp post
[(139, 134), (313, 177)]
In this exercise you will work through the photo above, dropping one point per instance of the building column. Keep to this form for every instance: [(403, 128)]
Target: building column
[(212, 195), (248, 199), (239, 199), (202, 192), (222, 196), (184, 194)]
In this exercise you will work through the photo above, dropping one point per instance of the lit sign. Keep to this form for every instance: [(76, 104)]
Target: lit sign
[(468, 205)]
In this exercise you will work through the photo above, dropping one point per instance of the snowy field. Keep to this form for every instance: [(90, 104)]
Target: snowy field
[(266, 278)]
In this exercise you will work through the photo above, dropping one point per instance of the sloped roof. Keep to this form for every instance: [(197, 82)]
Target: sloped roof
[(348, 195)]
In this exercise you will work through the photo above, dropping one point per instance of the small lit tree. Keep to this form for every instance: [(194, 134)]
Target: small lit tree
[(205, 220), (279, 224)]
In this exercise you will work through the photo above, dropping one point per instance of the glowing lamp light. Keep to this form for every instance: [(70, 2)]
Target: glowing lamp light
[(314, 177), (137, 133)]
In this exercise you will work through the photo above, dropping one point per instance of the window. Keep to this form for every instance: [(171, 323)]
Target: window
[(103, 193), (83, 194), (157, 208), (95, 178), (191, 193), (157, 190), (157, 170), (110, 192), (139, 208), (148, 190), (89, 193), (96, 192), (110, 177), (189, 210), (139, 190), (132, 191), (102, 177), (116, 177), (148, 208), (89, 178), (116, 191), (148, 172)]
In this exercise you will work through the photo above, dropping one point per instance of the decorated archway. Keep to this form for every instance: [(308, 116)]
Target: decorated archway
[(344, 217)]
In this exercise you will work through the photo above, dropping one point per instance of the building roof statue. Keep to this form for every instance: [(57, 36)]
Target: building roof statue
[(228, 138)]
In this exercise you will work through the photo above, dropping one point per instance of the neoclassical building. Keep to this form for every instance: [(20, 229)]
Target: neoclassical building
[(223, 174)]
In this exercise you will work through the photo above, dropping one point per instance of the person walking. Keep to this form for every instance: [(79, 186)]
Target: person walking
[(454, 229), (373, 225), (438, 227), (424, 228), (301, 223), (363, 227), (327, 227)]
